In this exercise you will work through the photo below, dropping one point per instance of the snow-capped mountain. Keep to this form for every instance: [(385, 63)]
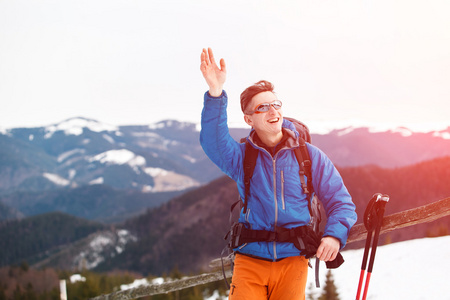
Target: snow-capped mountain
[(164, 157), (81, 151)]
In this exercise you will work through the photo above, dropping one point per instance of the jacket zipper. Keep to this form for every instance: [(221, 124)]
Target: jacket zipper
[(274, 194), (282, 190), (276, 204)]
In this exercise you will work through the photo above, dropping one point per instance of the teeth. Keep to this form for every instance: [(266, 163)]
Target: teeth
[(273, 120)]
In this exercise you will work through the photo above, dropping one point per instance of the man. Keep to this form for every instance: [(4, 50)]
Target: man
[(271, 270)]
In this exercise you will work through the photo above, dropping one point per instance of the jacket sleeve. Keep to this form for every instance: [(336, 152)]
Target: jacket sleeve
[(330, 189), (215, 138)]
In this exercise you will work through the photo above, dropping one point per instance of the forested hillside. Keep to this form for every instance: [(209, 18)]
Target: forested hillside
[(32, 239), (97, 202), (187, 232)]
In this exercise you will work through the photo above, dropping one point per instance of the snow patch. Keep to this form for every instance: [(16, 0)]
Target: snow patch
[(326, 126), (442, 134), (75, 126), (169, 124), (155, 171), (168, 181), (120, 157), (403, 131), (146, 134), (136, 283), (106, 244), (108, 138), (216, 296), (72, 173), (99, 180), (345, 131), (3, 131), (77, 278), (65, 155), (56, 179), (189, 159)]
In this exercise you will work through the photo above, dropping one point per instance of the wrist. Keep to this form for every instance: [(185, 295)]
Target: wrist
[(215, 92)]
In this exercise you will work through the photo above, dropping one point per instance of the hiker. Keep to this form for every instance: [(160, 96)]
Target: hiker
[(276, 200)]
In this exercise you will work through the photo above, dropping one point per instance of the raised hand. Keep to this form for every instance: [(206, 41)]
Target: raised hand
[(214, 76)]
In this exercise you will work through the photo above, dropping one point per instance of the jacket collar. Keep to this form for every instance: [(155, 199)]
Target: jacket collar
[(289, 140)]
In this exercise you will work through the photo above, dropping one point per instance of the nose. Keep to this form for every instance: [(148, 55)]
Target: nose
[(272, 109)]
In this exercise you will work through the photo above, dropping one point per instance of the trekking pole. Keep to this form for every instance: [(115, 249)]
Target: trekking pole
[(373, 218)]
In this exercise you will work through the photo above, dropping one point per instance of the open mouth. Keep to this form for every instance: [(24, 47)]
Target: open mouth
[(273, 121)]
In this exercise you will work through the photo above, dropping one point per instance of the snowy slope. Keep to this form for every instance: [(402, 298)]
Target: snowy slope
[(413, 270)]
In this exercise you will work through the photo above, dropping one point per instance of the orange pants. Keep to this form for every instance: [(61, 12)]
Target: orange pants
[(256, 279)]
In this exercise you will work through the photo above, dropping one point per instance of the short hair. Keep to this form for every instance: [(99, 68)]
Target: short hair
[(253, 90)]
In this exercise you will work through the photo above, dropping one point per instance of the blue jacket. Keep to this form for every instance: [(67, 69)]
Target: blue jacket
[(276, 198)]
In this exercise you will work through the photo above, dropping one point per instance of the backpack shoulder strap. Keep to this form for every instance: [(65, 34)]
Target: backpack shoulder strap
[(304, 162), (250, 157)]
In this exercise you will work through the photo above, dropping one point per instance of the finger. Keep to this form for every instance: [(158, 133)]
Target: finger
[(205, 57), (328, 256), (211, 56), (202, 55), (203, 67), (222, 65), (333, 256), (319, 252)]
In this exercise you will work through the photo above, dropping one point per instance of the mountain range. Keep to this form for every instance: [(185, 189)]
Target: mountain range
[(62, 166), (147, 199)]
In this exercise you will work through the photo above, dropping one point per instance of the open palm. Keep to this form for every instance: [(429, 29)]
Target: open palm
[(215, 77)]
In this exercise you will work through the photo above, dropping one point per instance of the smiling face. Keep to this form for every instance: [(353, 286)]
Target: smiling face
[(267, 124)]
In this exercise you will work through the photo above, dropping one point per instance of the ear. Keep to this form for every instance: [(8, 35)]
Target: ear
[(248, 120)]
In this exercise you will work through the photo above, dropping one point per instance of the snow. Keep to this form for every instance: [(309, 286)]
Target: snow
[(99, 180), (119, 157), (155, 171), (65, 155), (413, 270), (77, 278), (189, 159), (442, 134), (403, 131), (134, 284), (56, 179), (75, 126), (72, 173), (101, 245), (326, 126), (108, 138), (345, 131), (216, 296), (168, 181), (168, 124)]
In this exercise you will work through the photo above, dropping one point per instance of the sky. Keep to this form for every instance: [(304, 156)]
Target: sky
[(334, 64)]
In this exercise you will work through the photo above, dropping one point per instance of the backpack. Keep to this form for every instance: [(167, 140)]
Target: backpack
[(305, 238)]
